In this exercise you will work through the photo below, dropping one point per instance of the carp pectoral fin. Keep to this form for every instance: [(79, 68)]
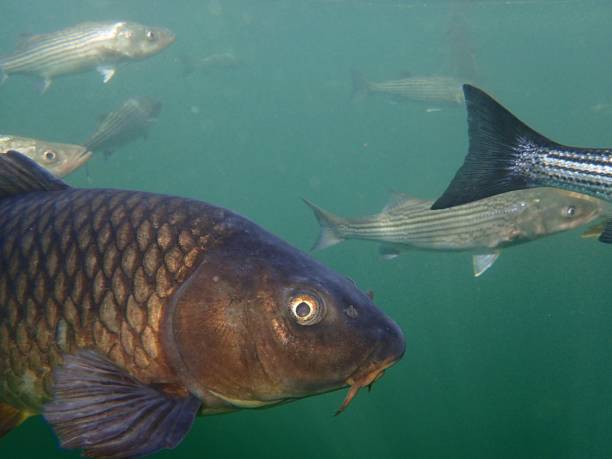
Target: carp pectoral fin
[(593, 231), (20, 175), (606, 236), (100, 408), (481, 263), (10, 418), (107, 73)]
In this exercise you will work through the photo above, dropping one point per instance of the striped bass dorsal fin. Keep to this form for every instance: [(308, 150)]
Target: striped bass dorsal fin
[(402, 201), (27, 40), (20, 175)]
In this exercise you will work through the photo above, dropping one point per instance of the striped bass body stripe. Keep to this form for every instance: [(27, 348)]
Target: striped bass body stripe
[(62, 52), (119, 126), (422, 89), (586, 171), (464, 227)]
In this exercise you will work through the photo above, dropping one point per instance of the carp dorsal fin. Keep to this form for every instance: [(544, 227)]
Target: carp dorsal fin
[(102, 409), (10, 418), (19, 175)]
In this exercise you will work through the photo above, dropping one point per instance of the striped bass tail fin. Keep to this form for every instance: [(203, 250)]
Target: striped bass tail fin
[(10, 418), (329, 233), (361, 86), (497, 142)]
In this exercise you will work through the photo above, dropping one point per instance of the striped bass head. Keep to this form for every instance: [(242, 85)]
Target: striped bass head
[(136, 41), (550, 210), (259, 323), (58, 158)]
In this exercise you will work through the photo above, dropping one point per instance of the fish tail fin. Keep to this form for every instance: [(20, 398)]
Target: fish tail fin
[(329, 234), (10, 418), (497, 141), (606, 236), (361, 86), (3, 75)]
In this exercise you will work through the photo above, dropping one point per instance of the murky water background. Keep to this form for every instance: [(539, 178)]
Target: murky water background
[(513, 364)]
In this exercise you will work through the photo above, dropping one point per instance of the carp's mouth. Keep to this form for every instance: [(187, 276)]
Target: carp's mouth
[(365, 378)]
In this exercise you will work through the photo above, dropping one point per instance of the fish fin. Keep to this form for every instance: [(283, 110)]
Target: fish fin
[(26, 40), (3, 75), (433, 109), (43, 85), (100, 408), (606, 236), (361, 86), (388, 251), (481, 263), (593, 231), (107, 73), (20, 175), (495, 138), (10, 418), (329, 234), (401, 200)]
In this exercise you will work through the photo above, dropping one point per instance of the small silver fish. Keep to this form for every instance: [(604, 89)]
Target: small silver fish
[(84, 47), (58, 158), (429, 89), (505, 155), (210, 63), (126, 124), (482, 227)]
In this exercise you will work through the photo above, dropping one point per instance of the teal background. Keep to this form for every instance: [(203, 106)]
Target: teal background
[(513, 364)]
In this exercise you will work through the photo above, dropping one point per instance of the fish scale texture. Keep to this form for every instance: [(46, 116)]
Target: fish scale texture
[(91, 269)]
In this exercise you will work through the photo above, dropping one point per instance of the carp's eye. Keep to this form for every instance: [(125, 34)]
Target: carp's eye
[(150, 35), (570, 211), (306, 309), (49, 155)]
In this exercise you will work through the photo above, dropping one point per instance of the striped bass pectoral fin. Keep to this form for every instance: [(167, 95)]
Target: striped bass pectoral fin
[(100, 408), (10, 418), (107, 72), (483, 262), (496, 144), (606, 236)]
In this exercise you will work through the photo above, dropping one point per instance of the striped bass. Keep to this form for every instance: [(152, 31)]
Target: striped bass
[(430, 89), (58, 158), (126, 124), (124, 315), (482, 227), (84, 47), (505, 154)]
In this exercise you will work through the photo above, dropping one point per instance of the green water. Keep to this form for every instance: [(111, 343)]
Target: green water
[(513, 364)]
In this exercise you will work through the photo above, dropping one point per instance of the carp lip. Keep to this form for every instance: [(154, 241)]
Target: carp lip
[(365, 378)]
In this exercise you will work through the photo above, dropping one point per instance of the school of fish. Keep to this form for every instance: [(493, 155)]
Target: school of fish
[(124, 315)]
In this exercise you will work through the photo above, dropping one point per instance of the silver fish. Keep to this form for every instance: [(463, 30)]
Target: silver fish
[(126, 124), (209, 63), (84, 47), (58, 158), (505, 154), (429, 89), (482, 227)]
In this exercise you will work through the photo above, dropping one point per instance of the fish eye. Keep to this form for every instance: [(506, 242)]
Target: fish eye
[(306, 309), (49, 155), (570, 211), (150, 35)]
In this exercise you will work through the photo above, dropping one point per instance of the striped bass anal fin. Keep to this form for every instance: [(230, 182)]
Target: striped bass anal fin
[(100, 408), (107, 72), (43, 85), (10, 418), (482, 262)]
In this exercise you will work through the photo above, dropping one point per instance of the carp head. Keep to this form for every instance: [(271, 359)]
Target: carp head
[(259, 323)]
